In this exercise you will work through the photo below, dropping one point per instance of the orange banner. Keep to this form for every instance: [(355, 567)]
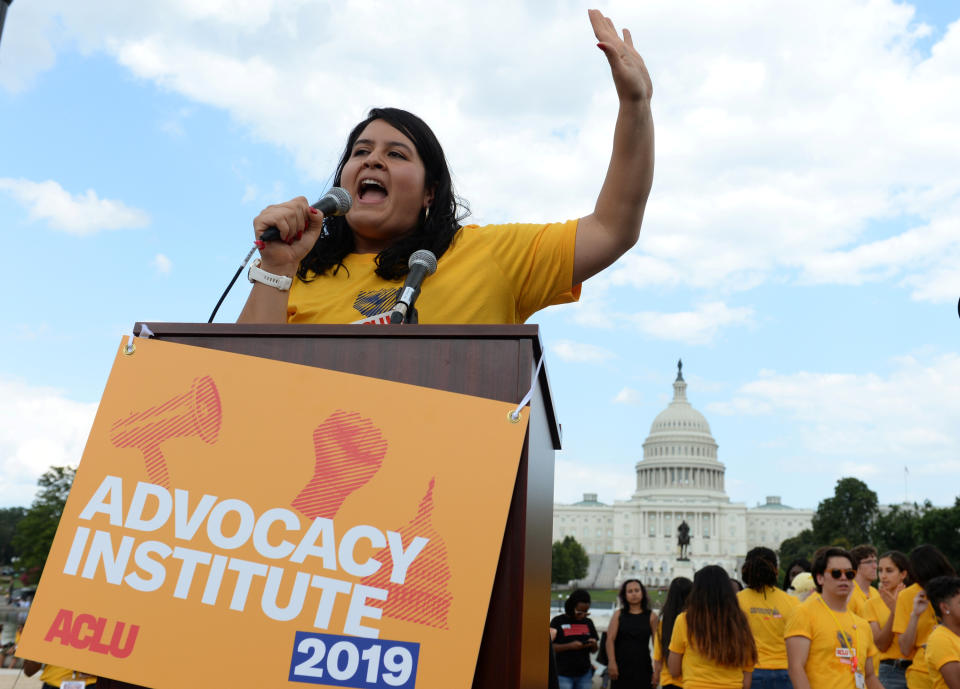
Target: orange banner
[(241, 522)]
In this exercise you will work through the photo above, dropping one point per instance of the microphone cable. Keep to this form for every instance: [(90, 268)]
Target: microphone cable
[(230, 286)]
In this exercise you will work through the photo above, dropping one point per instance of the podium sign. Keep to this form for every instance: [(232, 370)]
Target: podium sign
[(243, 522)]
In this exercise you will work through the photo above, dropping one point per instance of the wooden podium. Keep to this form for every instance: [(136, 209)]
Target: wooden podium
[(491, 361)]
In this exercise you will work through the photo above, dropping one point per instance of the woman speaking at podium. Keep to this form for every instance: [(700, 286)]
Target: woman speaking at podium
[(349, 269)]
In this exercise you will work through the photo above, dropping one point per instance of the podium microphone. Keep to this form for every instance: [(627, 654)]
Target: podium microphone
[(337, 201), (422, 264)]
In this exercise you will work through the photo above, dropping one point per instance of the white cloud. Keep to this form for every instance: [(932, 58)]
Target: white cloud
[(868, 425), (162, 264), (628, 396), (41, 428), (579, 352), (793, 140), (76, 214), (573, 478), (697, 327), (692, 327)]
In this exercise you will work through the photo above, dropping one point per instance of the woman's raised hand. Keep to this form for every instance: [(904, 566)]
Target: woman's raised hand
[(299, 226), (919, 604), (630, 75)]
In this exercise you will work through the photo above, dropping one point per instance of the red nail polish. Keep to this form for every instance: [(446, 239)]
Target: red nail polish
[(260, 244), (299, 234), (313, 210)]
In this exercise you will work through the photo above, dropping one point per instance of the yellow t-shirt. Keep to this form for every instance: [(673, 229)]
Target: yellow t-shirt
[(767, 613), (917, 677), (489, 274), (699, 672), (54, 674), (834, 643), (943, 646), (857, 603), (877, 611), (658, 654)]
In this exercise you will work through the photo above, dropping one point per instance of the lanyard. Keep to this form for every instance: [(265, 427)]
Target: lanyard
[(845, 639)]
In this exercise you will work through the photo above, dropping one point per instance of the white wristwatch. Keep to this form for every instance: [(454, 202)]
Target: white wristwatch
[(257, 274)]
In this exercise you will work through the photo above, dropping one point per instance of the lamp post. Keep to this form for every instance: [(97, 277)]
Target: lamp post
[(4, 4)]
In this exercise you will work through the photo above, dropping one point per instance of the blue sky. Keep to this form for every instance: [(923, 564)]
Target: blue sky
[(800, 248)]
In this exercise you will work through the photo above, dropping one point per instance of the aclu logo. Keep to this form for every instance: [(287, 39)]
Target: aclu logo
[(84, 631)]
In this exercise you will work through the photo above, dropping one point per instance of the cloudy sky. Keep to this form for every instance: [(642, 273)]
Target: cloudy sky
[(801, 249)]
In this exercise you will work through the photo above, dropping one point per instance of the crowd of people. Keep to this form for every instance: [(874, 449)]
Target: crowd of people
[(851, 619)]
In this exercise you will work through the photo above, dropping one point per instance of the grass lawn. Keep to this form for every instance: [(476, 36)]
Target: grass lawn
[(608, 596)]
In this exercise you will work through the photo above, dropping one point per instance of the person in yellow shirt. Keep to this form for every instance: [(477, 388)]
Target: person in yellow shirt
[(674, 604), (829, 647), (56, 677), (943, 644), (403, 201), (894, 570), (914, 618), (866, 558), (711, 646), (767, 609)]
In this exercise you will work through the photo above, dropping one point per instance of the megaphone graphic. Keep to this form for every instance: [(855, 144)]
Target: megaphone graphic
[(195, 412)]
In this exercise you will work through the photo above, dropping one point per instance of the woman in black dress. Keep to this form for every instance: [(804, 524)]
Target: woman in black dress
[(628, 638)]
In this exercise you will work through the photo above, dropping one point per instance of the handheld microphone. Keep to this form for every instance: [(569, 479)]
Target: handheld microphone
[(337, 201), (422, 264)]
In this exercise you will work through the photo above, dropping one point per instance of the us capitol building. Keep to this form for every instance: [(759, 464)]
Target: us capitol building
[(679, 479)]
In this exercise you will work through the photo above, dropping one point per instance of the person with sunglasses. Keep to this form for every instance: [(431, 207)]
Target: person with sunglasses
[(914, 619), (828, 646)]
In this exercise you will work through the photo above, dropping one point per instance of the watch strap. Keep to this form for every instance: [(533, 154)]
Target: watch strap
[(257, 274)]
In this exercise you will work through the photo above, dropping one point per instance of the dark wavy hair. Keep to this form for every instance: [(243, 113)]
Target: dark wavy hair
[(760, 569), (574, 599), (675, 604), (644, 600), (803, 562), (434, 231), (927, 562), (822, 556), (716, 626), (940, 589)]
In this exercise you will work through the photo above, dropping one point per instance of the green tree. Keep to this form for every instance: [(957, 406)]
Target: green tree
[(848, 518), (800, 546), (896, 529), (35, 531), (9, 517), (940, 526), (570, 561)]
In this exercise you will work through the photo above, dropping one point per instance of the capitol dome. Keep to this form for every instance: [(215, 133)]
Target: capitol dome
[(680, 454)]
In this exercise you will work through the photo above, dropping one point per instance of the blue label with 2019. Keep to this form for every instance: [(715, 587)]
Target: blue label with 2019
[(350, 661)]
